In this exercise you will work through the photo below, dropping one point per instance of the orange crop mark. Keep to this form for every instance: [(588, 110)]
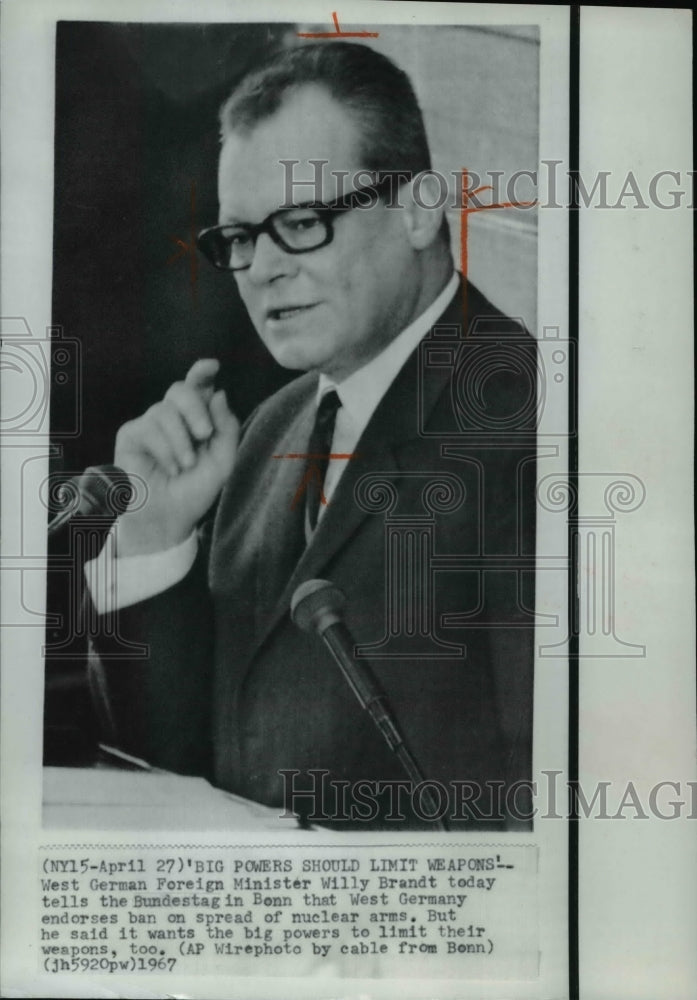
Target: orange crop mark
[(468, 210), (189, 249), (313, 473), (338, 33)]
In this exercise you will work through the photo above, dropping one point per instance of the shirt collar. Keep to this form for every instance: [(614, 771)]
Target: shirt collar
[(361, 392)]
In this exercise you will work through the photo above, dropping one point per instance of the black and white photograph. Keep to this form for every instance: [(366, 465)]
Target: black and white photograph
[(321, 596), (322, 541)]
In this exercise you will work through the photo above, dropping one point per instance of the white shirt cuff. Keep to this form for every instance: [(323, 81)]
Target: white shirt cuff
[(116, 583)]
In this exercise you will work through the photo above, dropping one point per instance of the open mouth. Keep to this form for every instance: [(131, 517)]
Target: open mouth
[(288, 311)]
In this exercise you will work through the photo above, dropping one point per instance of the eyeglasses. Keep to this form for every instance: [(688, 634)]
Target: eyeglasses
[(296, 230)]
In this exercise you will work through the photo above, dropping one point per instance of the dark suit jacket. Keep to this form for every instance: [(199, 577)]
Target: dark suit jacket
[(231, 689)]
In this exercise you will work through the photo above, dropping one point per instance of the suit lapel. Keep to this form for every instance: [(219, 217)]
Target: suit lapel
[(283, 538), (338, 524), (394, 427), (396, 423)]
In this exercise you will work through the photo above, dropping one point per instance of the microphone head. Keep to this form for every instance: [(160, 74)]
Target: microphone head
[(317, 604), (101, 491)]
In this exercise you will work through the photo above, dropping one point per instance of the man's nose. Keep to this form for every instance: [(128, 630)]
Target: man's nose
[(269, 261)]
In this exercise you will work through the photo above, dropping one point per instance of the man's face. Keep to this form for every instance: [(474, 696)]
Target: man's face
[(336, 307)]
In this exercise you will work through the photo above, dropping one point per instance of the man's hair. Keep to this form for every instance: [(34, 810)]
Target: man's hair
[(377, 93)]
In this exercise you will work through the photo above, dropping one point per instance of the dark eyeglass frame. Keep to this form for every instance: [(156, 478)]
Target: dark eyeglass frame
[(362, 197)]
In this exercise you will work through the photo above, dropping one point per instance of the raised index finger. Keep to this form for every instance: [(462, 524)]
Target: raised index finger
[(201, 376)]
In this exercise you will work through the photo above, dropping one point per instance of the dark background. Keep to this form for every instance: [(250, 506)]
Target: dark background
[(136, 137)]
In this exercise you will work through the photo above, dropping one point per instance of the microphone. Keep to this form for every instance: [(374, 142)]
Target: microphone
[(318, 606), (103, 491)]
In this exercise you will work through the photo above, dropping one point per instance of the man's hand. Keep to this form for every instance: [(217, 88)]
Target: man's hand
[(184, 448)]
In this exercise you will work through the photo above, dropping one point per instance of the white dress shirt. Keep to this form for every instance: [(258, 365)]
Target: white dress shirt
[(117, 583)]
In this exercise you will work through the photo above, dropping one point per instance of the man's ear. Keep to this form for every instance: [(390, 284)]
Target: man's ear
[(424, 199)]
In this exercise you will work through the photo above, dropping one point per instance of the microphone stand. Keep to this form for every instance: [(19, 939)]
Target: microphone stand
[(317, 605)]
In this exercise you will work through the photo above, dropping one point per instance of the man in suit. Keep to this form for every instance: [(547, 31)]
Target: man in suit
[(418, 514)]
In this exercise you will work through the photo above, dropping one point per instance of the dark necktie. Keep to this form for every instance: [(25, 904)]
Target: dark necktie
[(318, 451)]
